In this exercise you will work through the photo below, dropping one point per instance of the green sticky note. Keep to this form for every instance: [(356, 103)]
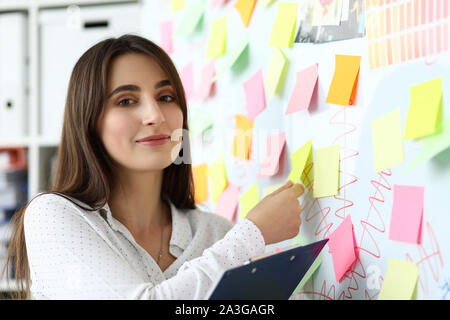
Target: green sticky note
[(299, 159), (201, 120), (400, 280), (265, 3), (301, 241), (283, 30), (387, 140), (218, 178), (432, 145), (248, 200), (233, 55), (192, 16), (424, 113), (217, 39), (274, 72), (326, 172)]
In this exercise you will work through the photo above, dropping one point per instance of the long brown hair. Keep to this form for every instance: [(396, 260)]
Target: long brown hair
[(84, 168)]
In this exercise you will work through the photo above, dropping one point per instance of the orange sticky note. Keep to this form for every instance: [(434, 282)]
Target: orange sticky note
[(345, 80), (243, 137), (200, 183), (245, 9)]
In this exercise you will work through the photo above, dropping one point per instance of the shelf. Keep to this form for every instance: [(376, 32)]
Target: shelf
[(20, 5), (48, 142), (16, 142), (28, 142)]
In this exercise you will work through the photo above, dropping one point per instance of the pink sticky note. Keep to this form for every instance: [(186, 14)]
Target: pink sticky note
[(228, 201), (303, 89), (215, 3), (204, 89), (166, 36), (187, 78), (254, 95), (269, 165), (342, 245), (407, 212)]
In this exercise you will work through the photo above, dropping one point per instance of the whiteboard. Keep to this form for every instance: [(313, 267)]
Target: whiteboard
[(364, 195)]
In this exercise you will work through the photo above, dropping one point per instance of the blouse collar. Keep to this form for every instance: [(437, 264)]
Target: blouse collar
[(181, 228)]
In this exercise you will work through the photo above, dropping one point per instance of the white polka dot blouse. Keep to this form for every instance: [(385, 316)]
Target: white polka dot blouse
[(79, 254)]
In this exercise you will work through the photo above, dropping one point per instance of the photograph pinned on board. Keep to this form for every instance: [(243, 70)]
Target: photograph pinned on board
[(331, 20)]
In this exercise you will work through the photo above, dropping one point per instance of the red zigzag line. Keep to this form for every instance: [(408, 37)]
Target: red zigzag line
[(323, 224), (349, 153), (376, 198), (428, 259)]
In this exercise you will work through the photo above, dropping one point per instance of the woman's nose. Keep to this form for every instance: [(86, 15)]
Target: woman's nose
[(152, 113)]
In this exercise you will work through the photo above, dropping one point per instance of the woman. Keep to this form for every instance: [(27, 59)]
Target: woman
[(120, 221)]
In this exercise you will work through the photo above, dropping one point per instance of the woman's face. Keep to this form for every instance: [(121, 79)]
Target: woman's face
[(140, 102)]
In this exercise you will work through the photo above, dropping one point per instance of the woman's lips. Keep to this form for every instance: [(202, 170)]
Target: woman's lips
[(154, 142)]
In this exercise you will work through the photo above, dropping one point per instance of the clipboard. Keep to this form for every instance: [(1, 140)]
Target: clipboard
[(271, 277)]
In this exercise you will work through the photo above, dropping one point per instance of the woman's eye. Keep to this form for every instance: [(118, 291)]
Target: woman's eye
[(167, 98), (121, 101)]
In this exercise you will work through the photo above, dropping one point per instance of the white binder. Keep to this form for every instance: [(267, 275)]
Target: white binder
[(65, 35), (13, 76)]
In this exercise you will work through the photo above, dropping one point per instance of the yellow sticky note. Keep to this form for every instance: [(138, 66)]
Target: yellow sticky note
[(345, 80), (245, 9), (400, 280), (387, 140), (275, 72), (200, 183), (283, 30), (177, 5), (299, 160), (270, 189), (425, 110), (326, 172), (248, 200), (217, 178), (243, 137), (217, 39)]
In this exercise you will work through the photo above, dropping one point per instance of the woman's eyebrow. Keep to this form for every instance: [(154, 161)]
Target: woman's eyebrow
[(132, 87), (126, 87), (162, 83)]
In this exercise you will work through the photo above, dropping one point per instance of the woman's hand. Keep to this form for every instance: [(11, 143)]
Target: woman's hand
[(278, 214)]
